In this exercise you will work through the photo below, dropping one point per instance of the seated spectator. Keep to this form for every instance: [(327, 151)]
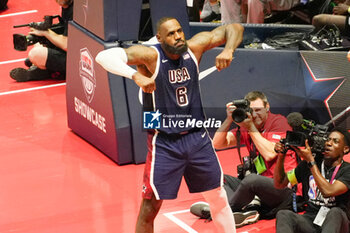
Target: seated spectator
[(259, 132), (254, 11), (326, 176), (230, 11), (47, 62), (339, 18), (210, 11)]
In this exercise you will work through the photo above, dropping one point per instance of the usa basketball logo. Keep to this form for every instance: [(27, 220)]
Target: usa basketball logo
[(87, 73)]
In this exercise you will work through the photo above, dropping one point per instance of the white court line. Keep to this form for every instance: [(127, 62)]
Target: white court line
[(181, 223), (19, 13), (31, 89), (178, 221), (11, 61)]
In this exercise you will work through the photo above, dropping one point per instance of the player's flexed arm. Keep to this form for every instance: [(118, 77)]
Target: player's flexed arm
[(117, 61), (231, 34)]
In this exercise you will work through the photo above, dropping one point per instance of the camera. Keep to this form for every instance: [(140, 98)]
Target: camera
[(244, 168), (242, 107), (247, 167), (316, 135), (21, 42)]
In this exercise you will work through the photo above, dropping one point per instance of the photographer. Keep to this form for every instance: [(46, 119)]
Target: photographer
[(326, 176), (46, 62), (259, 132)]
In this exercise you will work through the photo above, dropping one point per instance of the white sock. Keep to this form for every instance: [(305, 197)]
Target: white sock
[(220, 210)]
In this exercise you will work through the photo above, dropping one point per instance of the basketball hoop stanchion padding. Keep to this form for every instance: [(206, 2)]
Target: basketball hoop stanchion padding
[(170, 8), (97, 24), (96, 100), (110, 20), (139, 135)]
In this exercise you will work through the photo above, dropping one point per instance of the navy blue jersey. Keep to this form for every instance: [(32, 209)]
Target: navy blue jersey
[(177, 94)]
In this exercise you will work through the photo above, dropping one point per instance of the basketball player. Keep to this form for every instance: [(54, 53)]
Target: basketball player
[(169, 71)]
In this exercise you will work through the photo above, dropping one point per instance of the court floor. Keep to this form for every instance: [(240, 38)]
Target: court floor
[(51, 180)]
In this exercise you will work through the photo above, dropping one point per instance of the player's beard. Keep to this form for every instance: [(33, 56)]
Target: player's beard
[(175, 50)]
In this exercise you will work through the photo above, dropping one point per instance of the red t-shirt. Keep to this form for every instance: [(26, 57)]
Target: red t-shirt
[(275, 128)]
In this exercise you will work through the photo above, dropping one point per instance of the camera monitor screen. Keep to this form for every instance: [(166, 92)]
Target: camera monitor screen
[(295, 138)]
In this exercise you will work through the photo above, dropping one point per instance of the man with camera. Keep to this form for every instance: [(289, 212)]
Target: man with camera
[(47, 62), (326, 178), (258, 130)]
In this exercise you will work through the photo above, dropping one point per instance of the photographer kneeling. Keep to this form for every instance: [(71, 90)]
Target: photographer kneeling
[(326, 176), (47, 62), (259, 132)]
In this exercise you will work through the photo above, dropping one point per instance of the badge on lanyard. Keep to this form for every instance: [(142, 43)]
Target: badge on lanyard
[(259, 164), (323, 211), (321, 215)]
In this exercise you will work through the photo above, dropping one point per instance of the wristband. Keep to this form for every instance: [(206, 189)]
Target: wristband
[(311, 164)]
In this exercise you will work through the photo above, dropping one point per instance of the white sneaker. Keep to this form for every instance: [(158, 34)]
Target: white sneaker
[(245, 218)]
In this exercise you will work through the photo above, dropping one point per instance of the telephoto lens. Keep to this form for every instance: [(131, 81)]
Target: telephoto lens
[(242, 107)]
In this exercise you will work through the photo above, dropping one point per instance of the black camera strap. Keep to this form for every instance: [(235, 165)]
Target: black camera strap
[(252, 154), (238, 138)]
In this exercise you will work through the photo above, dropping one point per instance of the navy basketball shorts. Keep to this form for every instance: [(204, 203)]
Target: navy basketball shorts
[(191, 156)]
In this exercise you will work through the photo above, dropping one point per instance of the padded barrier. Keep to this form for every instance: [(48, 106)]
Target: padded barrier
[(170, 8), (110, 20), (292, 81), (96, 100)]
